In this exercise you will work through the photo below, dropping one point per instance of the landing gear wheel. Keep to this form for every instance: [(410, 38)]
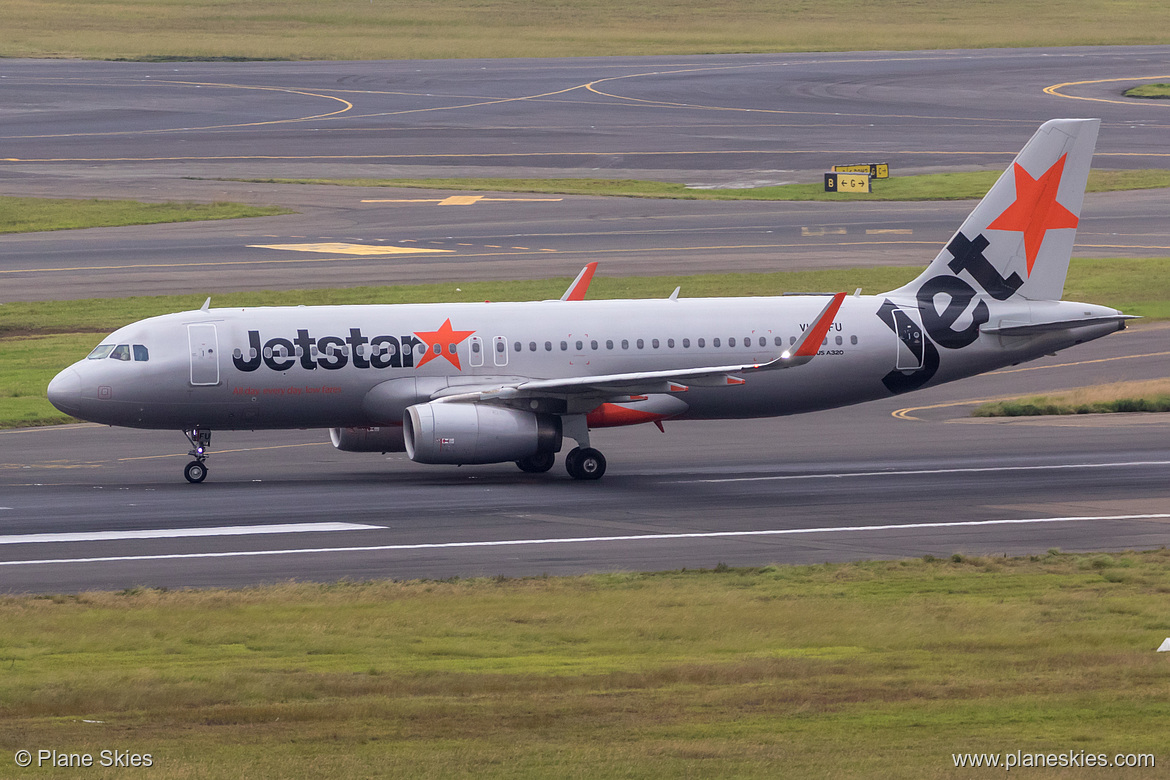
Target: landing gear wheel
[(585, 463), (195, 472), (538, 463)]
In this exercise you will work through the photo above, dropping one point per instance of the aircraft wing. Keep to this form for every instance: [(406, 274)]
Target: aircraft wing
[(669, 380)]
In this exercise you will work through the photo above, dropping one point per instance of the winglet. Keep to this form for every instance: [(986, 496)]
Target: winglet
[(580, 285), (206, 304), (809, 342)]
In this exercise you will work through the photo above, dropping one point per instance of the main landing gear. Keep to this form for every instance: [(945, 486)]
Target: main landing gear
[(581, 463), (196, 470), (585, 463)]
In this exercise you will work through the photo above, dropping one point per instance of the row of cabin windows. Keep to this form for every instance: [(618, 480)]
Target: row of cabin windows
[(656, 344), (120, 352)]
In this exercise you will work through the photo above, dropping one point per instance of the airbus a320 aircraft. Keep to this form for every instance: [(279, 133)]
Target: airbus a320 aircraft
[(463, 383)]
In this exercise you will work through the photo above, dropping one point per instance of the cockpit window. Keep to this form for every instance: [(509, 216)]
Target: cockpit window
[(141, 354), (101, 351), (121, 352)]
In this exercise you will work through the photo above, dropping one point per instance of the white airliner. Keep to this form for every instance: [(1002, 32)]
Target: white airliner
[(463, 383)]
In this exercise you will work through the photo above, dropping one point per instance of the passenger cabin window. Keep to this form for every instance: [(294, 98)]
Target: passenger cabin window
[(101, 351), (121, 352)]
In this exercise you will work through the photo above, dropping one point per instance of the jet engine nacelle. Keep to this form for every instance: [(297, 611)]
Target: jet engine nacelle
[(384, 439), (460, 433)]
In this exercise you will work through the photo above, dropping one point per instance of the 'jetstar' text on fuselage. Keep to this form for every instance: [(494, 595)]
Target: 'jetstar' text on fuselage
[(328, 352)]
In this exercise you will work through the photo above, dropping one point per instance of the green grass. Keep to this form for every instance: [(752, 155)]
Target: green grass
[(935, 186), (40, 338), (879, 669), (28, 215), (1147, 396), (1149, 91), (423, 29)]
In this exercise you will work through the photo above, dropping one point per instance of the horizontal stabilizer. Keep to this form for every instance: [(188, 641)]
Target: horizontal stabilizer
[(1035, 328)]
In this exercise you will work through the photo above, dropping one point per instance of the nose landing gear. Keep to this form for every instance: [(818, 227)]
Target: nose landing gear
[(196, 470)]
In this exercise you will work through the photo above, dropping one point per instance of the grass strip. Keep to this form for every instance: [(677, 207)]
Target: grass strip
[(761, 672), (161, 30), (969, 185), (1147, 396), (1156, 91), (39, 339), (29, 215)]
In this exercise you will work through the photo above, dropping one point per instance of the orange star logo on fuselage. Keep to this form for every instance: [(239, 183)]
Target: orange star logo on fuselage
[(446, 339)]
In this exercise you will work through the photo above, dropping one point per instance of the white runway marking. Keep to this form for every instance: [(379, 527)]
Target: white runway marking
[(177, 533), (589, 539), (923, 472)]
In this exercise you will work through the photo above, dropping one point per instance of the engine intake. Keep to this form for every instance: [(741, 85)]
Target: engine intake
[(461, 433), (383, 439)]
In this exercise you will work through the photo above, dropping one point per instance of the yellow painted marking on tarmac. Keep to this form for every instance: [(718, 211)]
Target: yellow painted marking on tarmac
[(808, 232), (509, 155), (271, 261), (889, 232), (47, 428), (904, 414), (220, 452), (347, 106), (1055, 90), (1079, 363), (1120, 246), (348, 249), (462, 200)]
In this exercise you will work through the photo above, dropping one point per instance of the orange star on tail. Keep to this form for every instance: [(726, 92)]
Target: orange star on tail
[(1035, 210)]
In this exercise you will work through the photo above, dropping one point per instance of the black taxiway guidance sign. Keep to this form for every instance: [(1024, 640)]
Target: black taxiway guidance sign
[(847, 182), (876, 170)]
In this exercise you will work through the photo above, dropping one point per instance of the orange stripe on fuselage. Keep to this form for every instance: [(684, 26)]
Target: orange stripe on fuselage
[(613, 415)]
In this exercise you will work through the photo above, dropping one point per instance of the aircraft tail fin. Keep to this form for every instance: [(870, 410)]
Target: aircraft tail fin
[(1019, 238)]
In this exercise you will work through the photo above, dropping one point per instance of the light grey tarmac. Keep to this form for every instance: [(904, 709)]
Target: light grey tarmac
[(908, 476), (166, 131)]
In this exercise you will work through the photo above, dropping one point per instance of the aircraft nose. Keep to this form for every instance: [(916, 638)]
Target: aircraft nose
[(65, 391)]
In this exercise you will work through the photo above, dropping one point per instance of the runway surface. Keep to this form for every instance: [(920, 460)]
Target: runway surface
[(164, 131), (854, 483), (91, 507)]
